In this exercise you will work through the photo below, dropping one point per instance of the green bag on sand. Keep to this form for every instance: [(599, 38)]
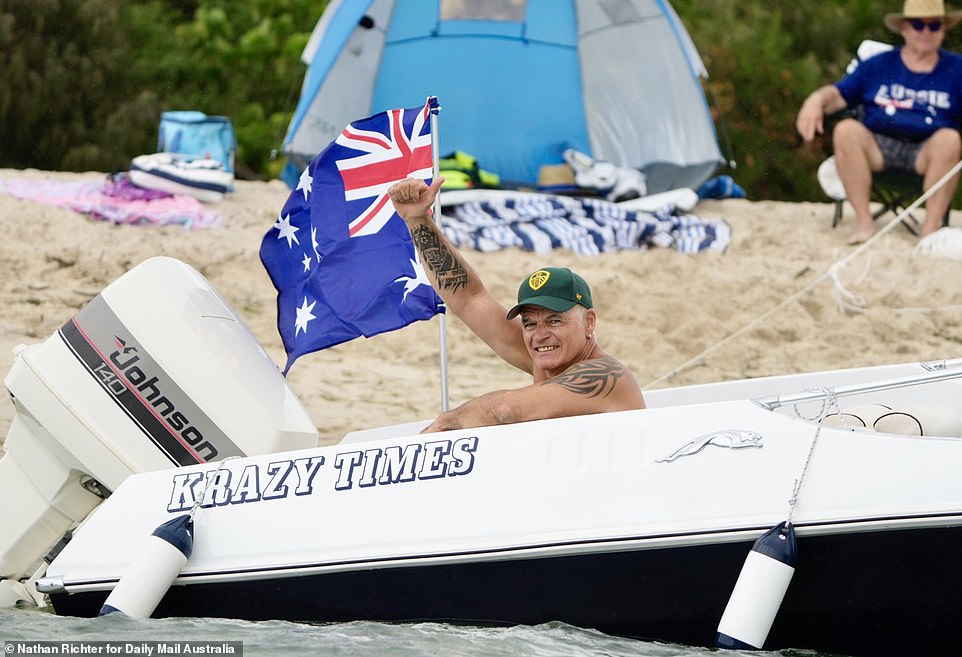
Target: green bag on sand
[(461, 171)]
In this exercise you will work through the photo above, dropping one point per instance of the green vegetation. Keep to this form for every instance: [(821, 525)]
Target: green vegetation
[(84, 81)]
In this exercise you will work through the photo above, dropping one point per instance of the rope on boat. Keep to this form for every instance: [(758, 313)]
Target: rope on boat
[(845, 299), (829, 404), (769, 566), (207, 481)]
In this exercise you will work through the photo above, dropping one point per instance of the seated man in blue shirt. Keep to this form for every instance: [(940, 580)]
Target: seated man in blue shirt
[(912, 102)]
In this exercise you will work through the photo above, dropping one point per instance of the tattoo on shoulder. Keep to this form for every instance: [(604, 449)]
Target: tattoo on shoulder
[(448, 269), (592, 378)]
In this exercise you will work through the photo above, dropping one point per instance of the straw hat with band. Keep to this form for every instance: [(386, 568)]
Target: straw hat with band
[(922, 9), (555, 288)]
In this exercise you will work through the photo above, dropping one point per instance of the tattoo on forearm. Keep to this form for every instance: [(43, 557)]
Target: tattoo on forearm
[(592, 378), (446, 266)]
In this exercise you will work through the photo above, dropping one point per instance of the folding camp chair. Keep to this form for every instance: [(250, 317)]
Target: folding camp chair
[(894, 190)]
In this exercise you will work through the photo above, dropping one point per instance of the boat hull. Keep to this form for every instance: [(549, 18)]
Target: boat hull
[(889, 592), (635, 523)]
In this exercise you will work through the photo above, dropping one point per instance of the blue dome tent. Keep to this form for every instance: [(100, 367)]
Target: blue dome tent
[(519, 81)]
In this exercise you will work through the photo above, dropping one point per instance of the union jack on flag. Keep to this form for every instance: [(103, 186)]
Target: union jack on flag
[(387, 158), (342, 261)]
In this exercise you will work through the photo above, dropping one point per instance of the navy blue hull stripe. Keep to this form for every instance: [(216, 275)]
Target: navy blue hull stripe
[(511, 552)]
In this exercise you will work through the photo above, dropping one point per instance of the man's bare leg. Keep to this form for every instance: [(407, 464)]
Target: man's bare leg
[(857, 156), (939, 154)]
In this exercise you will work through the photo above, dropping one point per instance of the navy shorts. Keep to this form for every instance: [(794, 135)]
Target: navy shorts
[(898, 154)]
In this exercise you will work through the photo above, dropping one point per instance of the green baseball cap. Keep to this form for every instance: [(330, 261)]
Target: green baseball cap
[(555, 288)]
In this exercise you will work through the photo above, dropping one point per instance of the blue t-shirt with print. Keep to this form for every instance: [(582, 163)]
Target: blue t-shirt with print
[(902, 104)]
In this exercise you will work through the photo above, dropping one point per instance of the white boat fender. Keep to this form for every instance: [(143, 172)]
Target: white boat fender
[(148, 577), (759, 590)]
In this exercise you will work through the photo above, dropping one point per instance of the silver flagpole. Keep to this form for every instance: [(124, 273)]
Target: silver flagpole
[(435, 172)]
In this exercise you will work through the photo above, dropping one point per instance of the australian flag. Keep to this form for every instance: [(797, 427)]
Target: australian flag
[(341, 259)]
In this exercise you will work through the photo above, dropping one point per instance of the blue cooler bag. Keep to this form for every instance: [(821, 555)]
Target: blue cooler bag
[(189, 132)]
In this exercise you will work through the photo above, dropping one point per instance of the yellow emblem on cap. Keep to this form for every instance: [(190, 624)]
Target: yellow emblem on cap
[(538, 279)]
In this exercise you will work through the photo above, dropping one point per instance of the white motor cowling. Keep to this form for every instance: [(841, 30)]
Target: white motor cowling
[(156, 371)]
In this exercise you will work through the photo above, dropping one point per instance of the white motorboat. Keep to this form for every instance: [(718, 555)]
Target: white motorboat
[(635, 523)]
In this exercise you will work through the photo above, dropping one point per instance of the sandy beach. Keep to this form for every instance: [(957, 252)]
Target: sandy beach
[(764, 307)]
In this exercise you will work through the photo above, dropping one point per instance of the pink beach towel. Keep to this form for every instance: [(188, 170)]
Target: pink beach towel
[(110, 201)]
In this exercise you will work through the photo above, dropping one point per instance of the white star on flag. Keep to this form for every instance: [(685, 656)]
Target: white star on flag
[(306, 182), (304, 315), (420, 277), (285, 229)]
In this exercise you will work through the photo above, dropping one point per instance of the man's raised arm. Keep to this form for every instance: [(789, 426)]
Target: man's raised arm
[(453, 278)]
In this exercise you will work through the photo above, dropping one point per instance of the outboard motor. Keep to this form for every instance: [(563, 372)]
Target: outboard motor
[(156, 371)]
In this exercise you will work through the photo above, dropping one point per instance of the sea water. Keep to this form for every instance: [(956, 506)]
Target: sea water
[(129, 636)]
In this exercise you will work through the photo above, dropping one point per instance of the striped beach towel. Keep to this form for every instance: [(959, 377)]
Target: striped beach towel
[(586, 226)]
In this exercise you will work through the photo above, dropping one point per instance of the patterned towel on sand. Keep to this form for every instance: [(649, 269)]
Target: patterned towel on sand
[(108, 202)]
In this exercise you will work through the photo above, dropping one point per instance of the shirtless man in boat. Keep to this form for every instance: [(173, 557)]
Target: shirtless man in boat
[(554, 341)]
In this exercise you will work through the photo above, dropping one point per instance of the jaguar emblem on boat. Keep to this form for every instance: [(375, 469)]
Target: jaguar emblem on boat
[(729, 439)]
